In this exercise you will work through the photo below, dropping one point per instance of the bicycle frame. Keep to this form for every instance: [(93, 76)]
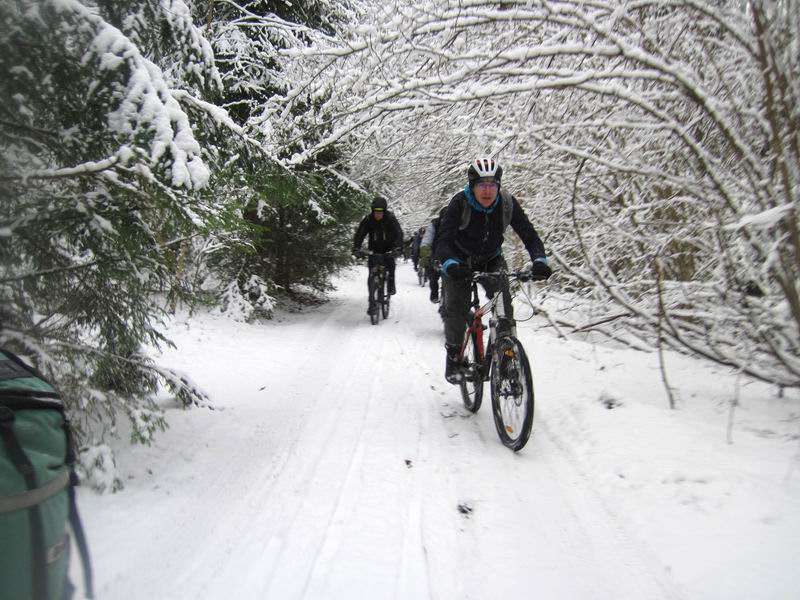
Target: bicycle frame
[(495, 307)]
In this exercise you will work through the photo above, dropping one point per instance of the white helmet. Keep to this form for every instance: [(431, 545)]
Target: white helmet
[(484, 169)]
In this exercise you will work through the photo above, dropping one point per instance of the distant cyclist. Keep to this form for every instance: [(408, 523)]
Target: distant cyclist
[(415, 242), (427, 250), (385, 235), (470, 240)]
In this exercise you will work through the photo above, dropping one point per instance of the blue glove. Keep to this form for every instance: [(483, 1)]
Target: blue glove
[(540, 269), (454, 268)]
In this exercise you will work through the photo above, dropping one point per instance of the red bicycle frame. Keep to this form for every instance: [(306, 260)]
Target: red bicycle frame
[(476, 326)]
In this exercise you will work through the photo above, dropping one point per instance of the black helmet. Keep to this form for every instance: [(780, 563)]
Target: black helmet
[(379, 203), (484, 169)]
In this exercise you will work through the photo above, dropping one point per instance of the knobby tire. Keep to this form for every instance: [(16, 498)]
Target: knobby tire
[(472, 381), (384, 299), (374, 288), (512, 393)]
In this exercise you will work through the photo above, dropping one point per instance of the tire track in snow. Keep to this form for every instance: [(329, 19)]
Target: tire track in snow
[(289, 474), (317, 572), (259, 503)]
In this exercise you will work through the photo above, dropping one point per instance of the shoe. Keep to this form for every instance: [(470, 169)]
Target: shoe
[(434, 298), (392, 290), (452, 368)]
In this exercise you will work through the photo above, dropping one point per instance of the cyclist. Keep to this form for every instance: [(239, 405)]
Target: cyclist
[(471, 239), (385, 235), (427, 250), (415, 241)]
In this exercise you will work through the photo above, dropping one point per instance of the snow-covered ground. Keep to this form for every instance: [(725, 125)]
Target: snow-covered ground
[(340, 465)]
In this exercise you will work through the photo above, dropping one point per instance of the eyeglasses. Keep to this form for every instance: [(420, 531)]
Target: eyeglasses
[(487, 185)]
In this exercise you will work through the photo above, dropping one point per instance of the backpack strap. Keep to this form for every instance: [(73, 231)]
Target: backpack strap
[(74, 517), (508, 207), (33, 496), (80, 541)]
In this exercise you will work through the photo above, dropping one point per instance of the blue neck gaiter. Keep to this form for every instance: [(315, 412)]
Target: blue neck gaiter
[(473, 202)]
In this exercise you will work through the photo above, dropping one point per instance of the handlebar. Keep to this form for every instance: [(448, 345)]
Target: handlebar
[(523, 276), (364, 253)]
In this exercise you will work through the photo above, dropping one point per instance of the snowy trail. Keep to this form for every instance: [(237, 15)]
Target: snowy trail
[(341, 465)]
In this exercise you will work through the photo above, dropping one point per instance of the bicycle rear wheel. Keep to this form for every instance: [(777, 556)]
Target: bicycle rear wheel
[(374, 303), (472, 376), (512, 393)]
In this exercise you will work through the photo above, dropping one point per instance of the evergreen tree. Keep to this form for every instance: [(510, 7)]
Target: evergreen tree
[(299, 215), (104, 154)]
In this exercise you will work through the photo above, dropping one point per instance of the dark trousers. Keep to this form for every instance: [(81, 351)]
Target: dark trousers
[(388, 262), (433, 277), (455, 312)]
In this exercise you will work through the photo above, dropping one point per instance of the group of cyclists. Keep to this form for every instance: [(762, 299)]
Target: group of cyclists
[(464, 238)]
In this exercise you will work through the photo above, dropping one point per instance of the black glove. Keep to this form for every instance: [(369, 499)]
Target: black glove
[(540, 269)]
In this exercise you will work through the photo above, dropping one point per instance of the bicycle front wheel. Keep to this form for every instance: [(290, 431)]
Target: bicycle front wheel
[(374, 300), (512, 393), (472, 376), (384, 300)]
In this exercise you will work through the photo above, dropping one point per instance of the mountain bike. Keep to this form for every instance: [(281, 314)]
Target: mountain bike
[(379, 298), (502, 360)]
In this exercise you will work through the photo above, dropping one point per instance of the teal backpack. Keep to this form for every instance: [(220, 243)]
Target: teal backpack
[(37, 495)]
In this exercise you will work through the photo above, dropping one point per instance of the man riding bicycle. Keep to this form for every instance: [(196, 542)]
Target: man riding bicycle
[(470, 240), (385, 235)]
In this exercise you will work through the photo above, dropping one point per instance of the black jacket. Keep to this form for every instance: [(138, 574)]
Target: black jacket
[(384, 235), (482, 239)]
